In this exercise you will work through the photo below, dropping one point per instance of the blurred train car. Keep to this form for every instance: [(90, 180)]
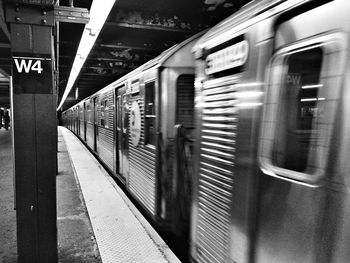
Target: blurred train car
[(130, 126), (272, 170)]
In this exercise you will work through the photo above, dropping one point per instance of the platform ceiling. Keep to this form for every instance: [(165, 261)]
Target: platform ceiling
[(135, 32)]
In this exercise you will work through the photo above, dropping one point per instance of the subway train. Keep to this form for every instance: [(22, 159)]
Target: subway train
[(258, 149), (130, 124)]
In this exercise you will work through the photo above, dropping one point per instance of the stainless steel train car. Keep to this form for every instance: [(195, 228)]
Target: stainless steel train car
[(272, 173), (130, 125)]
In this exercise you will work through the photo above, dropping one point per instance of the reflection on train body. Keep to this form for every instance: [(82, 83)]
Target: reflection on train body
[(272, 172)]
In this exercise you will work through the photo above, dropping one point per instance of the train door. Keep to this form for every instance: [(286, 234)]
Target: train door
[(184, 119), (122, 138), (296, 141), (85, 120), (95, 122)]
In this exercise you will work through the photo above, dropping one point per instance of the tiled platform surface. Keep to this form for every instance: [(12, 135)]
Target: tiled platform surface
[(122, 233)]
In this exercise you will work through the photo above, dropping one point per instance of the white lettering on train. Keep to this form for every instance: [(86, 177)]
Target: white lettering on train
[(229, 57)]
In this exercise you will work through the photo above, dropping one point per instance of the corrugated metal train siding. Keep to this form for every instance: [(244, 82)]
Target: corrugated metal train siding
[(142, 164), (105, 146), (90, 135), (216, 177), (106, 135)]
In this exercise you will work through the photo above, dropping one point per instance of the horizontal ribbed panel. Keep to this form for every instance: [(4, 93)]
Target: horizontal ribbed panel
[(142, 165), (217, 154), (90, 135), (105, 147)]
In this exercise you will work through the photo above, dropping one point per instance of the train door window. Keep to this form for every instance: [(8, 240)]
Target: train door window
[(185, 101), (150, 114), (104, 113), (300, 110), (125, 114), (300, 99), (88, 110), (95, 111), (119, 110), (106, 110)]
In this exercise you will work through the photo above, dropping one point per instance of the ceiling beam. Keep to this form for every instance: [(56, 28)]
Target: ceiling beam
[(97, 58), (154, 20), (142, 47), (149, 27)]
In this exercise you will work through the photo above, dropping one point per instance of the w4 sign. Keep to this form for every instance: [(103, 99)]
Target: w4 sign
[(32, 75), (28, 65)]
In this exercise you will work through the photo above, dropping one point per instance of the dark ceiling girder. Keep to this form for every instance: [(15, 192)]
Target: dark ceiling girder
[(98, 59), (67, 68), (155, 20), (148, 27), (111, 46), (87, 75), (84, 80)]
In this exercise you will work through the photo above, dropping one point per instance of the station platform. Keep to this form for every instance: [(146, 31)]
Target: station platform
[(96, 221)]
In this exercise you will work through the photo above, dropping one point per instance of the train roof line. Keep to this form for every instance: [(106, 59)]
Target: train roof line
[(248, 15)]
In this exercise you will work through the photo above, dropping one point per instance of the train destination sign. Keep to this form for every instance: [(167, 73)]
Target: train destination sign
[(229, 57), (135, 123), (32, 75)]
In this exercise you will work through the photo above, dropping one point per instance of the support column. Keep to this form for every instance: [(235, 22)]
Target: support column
[(34, 101)]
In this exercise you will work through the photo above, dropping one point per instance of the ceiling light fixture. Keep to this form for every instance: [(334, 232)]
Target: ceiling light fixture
[(98, 14)]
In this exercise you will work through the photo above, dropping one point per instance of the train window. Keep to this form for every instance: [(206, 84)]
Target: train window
[(119, 110), (88, 111), (185, 101), (150, 115), (104, 113), (125, 114), (300, 99), (81, 112), (300, 109)]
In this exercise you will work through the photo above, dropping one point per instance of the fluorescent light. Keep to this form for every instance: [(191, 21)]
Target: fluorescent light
[(98, 14), (312, 86), (312, 99)]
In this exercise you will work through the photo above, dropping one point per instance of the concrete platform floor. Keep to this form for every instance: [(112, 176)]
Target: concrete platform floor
[(8, 245), (76, 241)]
